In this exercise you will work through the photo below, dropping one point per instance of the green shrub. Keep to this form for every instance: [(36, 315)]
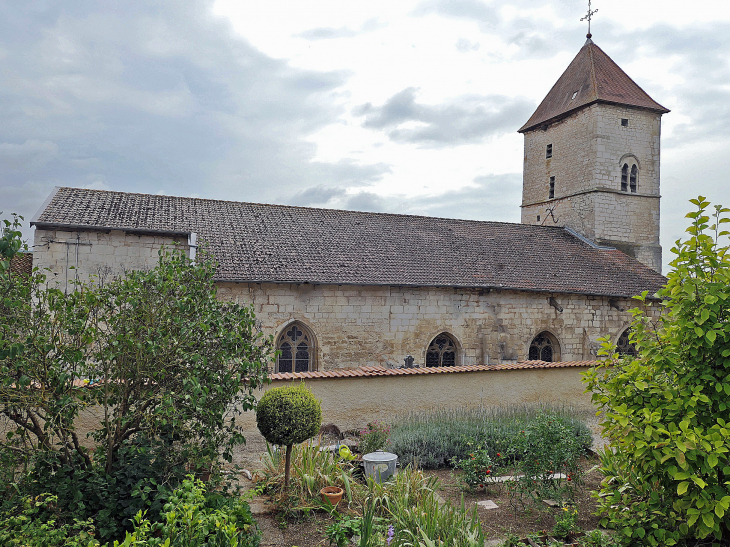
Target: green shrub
[(541, 453), (442, 437), (192, 517), (373, 437), (477, 468), (566, 522), (38, 522), (666, 411), (287, 416)]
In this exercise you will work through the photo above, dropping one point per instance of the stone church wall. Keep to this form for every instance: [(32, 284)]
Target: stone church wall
[(368, 325), (86, 254)]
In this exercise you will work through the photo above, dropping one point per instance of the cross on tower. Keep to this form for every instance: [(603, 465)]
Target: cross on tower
[(588, 18)]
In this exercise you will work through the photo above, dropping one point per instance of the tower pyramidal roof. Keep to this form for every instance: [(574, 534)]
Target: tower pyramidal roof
[(592, 77)]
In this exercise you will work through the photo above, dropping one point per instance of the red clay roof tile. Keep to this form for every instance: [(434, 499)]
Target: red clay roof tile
[(370, 371)]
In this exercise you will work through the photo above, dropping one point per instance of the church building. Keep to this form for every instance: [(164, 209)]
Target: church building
[(343, 289)]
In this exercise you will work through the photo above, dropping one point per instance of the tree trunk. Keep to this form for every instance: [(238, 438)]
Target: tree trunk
[(286, 467)]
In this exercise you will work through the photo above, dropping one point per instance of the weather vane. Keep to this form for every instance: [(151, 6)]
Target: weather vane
[(588, 18)]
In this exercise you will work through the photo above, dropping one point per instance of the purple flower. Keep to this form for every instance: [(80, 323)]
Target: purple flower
[(391, 533)]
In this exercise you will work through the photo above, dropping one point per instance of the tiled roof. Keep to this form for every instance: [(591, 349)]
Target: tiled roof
[(281, 244), (595, 78), (367, 372)]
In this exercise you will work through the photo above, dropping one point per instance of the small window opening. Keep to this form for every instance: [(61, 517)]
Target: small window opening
[(538, 218), (625, 178), (625, 122), (633, 178), (549, 151), (551, 193)]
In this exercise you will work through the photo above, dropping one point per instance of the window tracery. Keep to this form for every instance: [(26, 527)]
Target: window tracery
[(625, 178), (296, 347), (441, 351), (544, 347)]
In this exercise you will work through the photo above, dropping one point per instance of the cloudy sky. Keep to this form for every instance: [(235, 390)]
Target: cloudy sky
[(409, 106)]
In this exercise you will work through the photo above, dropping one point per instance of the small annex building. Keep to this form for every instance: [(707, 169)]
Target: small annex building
[(344, 289)]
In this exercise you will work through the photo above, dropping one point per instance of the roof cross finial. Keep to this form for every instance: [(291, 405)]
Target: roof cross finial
[(588, 18)]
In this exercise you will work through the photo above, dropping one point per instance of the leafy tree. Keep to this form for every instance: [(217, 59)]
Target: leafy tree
[(174, 362), (166, 365), (667, 411), (287, 416)]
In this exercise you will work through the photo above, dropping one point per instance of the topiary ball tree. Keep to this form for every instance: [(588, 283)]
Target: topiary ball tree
[(287, 416)]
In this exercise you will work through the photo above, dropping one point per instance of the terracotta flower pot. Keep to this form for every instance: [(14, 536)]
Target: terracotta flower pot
[(331, 495)]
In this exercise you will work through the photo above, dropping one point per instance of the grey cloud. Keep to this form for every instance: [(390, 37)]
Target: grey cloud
[(329, 33), (463, 120), (491, 197), (147, 96), (366, 201), (464, 46), (469, 9), (30, 155), (317, 195)]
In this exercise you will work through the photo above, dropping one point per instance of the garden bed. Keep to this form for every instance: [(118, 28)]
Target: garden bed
[(512, 518), (308, 530)]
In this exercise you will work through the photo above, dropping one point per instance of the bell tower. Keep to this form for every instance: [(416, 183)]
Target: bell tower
[(591, 160)]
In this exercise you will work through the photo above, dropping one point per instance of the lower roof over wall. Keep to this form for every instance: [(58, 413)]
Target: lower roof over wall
[(366, 372)]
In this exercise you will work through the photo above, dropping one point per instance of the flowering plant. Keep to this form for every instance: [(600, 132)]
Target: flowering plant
[(478, 468), (565, 523), (373, 437)]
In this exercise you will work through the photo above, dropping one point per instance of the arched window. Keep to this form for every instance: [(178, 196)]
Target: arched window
[(633, 179), (296, 347), (624, 345), (625, 178), (544, 347), (441, 351)]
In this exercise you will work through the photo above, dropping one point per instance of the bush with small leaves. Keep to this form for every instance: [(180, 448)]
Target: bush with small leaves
[(667, 410)]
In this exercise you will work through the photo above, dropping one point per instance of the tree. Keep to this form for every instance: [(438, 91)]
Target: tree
[(287, 416), (175, 362), (168, 365), (666, 411)]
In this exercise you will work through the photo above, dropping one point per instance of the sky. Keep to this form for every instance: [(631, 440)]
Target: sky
[(403, 107)]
